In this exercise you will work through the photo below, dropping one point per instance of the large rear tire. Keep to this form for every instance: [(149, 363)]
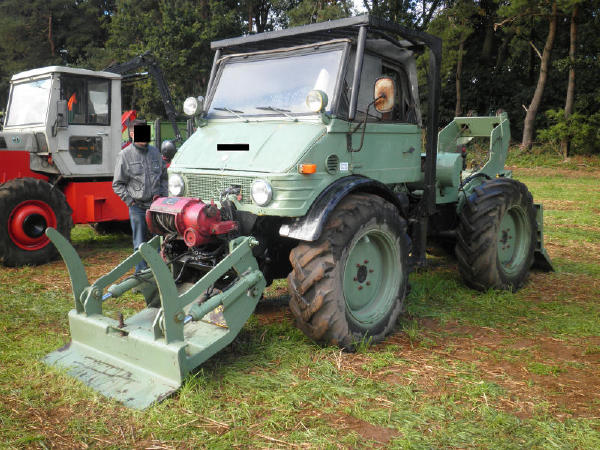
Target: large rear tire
[(27, 207), (497, 235), (349, 286)]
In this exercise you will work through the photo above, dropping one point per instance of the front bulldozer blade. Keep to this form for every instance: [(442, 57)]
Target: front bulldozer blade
[(144, 358)]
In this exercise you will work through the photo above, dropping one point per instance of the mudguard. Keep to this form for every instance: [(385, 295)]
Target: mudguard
[(309, 227)]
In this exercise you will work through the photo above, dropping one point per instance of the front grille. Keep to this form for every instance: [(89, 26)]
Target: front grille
[(209, 187)]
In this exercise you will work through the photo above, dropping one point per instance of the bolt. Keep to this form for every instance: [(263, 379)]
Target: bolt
[(355, 279), (508, 246), (96, 292), (359, 287), (366, 261), (368, 283), (357, 265), (370, 270)]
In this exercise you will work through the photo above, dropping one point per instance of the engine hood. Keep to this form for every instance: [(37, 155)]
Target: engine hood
[(252, 146), (11, 140)]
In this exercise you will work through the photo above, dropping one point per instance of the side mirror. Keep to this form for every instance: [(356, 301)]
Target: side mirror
[(384, 94), (61, 114), (168, 150)]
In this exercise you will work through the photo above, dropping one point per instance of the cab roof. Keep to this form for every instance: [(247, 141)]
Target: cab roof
[(34, 73), (380, 33)]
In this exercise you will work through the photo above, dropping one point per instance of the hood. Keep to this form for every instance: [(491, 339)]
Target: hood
[(11, 140), (252, 146)]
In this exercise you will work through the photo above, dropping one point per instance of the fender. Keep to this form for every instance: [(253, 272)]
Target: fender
[(309, 227)]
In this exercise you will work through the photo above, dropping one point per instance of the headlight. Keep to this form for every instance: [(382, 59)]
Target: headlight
[(316, 100), (190, 106), (176, 185), (261, 192)]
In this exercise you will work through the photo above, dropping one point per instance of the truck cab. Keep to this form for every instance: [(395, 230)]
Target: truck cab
[(66, 120)]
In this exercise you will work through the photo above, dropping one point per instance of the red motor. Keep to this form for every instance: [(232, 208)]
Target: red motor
[(192, 219)]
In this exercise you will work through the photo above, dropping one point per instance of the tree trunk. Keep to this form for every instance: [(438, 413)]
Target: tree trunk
[(249, 17), (529, 123), (458, 108), (570, 100), (50, 38)]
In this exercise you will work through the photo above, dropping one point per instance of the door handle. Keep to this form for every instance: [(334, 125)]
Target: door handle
[(101, 133)]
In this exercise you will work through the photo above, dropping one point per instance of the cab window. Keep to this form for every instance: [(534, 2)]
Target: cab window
[(88, 100)]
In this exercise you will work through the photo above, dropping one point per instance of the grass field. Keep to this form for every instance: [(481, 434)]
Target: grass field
[(464, 369)]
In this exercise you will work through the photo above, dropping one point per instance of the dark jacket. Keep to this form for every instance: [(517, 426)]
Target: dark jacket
[(140, 174)]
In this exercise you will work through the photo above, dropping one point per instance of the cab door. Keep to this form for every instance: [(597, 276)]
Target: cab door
[(84, 145)]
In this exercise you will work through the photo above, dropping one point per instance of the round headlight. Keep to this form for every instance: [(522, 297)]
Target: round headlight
[(316, 100), (190, 106), (176, 185), (261, 192)]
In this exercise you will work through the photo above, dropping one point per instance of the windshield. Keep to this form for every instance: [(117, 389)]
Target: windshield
[(274, 86), (28, 103)]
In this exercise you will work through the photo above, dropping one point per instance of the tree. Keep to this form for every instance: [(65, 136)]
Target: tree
[(570, 98), (529, 123)]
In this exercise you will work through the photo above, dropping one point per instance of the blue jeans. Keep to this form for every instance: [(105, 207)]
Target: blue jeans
[(139, 231)]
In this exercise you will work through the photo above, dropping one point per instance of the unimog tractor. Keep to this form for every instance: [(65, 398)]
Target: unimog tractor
[(308, 162)]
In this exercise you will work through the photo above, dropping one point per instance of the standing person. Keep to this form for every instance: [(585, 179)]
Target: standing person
[(140, 176)]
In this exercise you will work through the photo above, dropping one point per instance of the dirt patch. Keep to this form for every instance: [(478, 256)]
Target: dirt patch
[(562, 286), (51, 426), (274, 310), (564, 377), (576, 251), (562, 205), (365, 430)]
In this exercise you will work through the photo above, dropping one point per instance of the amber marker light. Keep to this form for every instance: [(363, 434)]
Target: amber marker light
[(307, 168)]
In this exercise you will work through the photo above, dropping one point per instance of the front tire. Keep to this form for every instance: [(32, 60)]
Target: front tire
[(497, 235), (350, 285), (27, 207)]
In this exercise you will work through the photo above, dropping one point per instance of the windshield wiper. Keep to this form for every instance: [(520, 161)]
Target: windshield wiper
[(279, 110), (235, 112)]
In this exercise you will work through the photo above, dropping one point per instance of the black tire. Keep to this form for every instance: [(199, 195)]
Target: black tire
[(490, 255), (27, 207), (322, 307), (112, 227)]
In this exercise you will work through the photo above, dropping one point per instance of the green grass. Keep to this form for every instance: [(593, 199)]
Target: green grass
[(464, 368)]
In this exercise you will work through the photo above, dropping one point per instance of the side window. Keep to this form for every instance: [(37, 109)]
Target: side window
[(88, 100), (98, 98), (371, 70), (404, 107), (72, 90), (85, 150)]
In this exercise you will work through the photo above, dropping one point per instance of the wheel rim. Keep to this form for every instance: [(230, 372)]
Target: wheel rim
[(514, 239), (371, 277), (27, 223)]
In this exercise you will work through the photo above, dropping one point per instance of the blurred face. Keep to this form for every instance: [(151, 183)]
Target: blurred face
[(140, 135)]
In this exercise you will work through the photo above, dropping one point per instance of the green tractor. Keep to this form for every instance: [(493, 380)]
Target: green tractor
[(307, 163)]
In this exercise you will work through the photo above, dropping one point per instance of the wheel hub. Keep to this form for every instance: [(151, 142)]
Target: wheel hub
[(370, 277), (27, 223), (513, 239)]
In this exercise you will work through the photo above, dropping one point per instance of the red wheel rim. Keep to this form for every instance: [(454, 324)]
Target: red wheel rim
[(27, 223)]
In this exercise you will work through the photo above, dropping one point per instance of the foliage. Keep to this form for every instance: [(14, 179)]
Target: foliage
[(500, 42), (582, 131)]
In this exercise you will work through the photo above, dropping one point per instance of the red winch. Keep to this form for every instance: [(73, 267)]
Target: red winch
[(192, 219)]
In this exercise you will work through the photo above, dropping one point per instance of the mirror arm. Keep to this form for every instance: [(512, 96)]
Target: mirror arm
[(364, 125)]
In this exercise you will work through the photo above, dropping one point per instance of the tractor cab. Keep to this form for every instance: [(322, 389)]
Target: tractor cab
[(67, 119)]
